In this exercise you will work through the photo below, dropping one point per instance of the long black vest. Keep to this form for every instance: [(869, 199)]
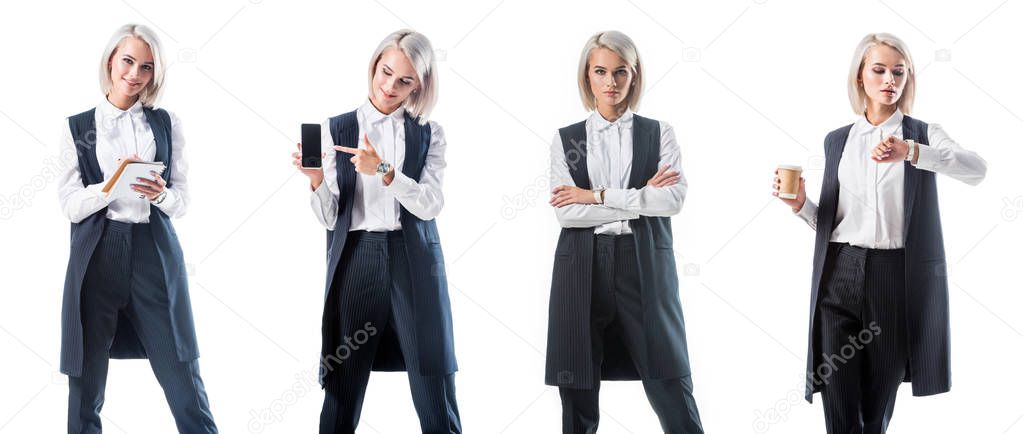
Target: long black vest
[(435, 342), (86, 234), (927, 323), (569, 348)]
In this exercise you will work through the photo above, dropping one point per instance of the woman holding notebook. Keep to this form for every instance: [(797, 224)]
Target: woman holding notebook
[(126, 289)]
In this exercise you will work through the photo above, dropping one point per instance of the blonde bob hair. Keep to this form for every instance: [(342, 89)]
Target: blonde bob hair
[(621, 45), (857, 95), (420, 53), (151, 94)]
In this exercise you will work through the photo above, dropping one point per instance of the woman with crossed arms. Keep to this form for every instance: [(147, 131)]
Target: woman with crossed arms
[(614, 311)]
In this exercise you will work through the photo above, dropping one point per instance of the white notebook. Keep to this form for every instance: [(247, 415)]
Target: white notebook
[(119, 185)]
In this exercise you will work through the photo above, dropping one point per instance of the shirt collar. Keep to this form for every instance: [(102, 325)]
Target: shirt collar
[(373, 116), (600, 124), (108, 110), (889, 126)]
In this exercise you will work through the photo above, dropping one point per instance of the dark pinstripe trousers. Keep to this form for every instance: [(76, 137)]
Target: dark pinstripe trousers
[(376, 295), (616, 307), (861, 318), (125, 278)]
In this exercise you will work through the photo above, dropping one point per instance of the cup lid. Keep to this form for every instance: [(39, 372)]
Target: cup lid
[(790, 167)]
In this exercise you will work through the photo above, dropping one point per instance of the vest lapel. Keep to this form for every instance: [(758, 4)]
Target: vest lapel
[(348, 134), (573, 141), (83, 128), (642, 147), (160, 126), (831, 185), (912, 174), (416, 147)]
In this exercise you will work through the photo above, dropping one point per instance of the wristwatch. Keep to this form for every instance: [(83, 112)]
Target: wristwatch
[(912, 150), (383, 168), (159, 198), (598, 195)]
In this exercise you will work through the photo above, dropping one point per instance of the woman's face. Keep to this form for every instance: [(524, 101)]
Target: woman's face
[(131, 67), (609, 76), (394, 79), (883, 75)]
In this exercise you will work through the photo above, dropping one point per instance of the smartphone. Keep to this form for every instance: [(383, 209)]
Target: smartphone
[(311, 146)]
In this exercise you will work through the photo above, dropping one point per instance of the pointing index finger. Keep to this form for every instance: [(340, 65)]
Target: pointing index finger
[(347, 150)]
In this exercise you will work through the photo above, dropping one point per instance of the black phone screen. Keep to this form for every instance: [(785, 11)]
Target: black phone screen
[(311, 145)]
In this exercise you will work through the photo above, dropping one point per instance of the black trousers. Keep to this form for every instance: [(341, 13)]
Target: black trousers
[(376, 293), (862, 332), (616, 307), (125, 278)]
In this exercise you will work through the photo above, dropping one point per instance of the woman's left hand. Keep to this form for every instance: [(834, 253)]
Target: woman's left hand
[(890, 150), (569, 194), (150, 189), (366, 160)]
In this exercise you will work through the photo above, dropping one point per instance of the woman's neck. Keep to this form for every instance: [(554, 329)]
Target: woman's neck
[(878, 113), (383, 109), (122, 102), (610, 113)]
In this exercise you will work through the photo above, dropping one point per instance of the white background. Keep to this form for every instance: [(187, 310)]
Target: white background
[(747, 85)]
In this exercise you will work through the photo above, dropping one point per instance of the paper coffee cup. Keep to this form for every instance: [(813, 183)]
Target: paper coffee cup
[(789, 176)]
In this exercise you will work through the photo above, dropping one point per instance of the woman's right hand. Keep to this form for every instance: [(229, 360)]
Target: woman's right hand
[(797, 203), (664, 178), (315, 174)]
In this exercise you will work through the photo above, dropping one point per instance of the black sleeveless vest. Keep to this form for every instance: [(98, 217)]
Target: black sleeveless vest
[(926, 278), (434, 338), (86, 234), (569, 351)]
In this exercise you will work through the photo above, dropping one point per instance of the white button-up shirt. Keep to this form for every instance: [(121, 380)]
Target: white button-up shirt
[(870, 210), (609, 163), (377, 206), (121, 134)]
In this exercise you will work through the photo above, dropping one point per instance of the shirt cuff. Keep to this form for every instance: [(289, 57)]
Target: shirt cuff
[(927, 158), (401, 185), (168, 201), (807, 211), (321, 195), (615, 198), (97, 189)]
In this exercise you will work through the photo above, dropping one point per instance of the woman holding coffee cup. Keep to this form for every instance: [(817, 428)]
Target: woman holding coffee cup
[(614, 310), (879, 292)]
